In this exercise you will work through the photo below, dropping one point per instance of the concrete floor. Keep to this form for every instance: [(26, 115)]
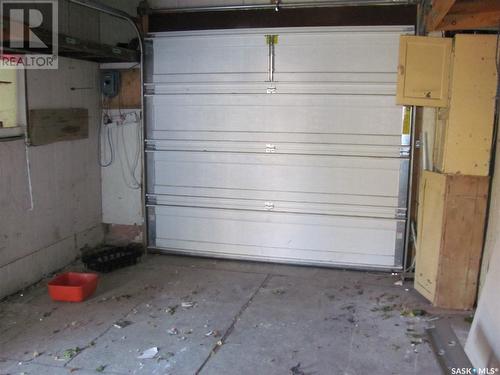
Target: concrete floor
[(272, 319)]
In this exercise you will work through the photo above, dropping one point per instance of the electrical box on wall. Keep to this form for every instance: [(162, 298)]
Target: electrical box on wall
[(110, 83)]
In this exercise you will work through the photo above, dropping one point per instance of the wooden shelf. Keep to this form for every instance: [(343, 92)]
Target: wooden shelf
[(76, 48)]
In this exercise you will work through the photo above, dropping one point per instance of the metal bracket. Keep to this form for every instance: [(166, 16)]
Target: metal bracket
[(404, 151), (399, 245), (271, 40), (149, 89), (151, 199), (151, 226)]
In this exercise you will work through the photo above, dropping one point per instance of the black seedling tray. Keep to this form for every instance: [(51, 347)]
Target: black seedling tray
[(109, 258)]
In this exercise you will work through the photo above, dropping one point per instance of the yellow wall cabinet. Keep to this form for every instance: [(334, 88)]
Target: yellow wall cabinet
[(459, 76), (8, 98), (451, 219), (423, 71)]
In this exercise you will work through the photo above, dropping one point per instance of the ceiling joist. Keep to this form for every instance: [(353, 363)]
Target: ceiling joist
[(438, 11), (463, 15)]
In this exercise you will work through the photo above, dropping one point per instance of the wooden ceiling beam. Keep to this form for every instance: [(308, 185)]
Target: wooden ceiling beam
[(439, 9), (472, 14)]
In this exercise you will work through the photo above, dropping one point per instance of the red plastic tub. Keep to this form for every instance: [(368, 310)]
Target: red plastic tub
[(72, 286)]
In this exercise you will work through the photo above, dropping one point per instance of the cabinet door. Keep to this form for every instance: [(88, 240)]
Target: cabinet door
[(430, 224), (423, 71)]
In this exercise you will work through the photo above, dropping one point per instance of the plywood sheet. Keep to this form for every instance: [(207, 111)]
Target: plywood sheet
[(130, 91), (469, 132), (430, 224)]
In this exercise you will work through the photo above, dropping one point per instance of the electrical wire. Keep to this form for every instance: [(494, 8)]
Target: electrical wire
[(118, 148), (107, 135), (130, 168)]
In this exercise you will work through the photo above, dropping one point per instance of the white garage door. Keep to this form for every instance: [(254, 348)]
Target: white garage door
[(287, 148)]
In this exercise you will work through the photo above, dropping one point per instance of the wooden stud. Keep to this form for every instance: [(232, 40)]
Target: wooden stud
[(439, 9), (472, 14)]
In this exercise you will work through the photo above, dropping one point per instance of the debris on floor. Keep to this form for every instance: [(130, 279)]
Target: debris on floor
[(278, 291), (413, 312), (149, 353), (213, 333), (296, 370), (122, 323), (171, 309), (187, 304), (173, 331), (70, 353)]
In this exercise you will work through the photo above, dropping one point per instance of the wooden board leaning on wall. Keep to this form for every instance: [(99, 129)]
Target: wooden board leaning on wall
[(55, 125)]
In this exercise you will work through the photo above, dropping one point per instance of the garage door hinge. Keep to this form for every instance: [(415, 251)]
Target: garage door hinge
[(269, 206), (400, 213), (271, 90), (270, 147), (404, 151), (150, 145), (151, 200)]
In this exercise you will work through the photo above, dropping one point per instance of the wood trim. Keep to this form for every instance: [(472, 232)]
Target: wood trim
[(332, 16)]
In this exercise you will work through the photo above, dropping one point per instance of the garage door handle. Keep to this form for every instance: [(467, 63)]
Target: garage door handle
[(269, 205)]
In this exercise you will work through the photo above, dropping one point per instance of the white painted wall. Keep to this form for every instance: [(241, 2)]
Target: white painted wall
[(121, 197), (483, 343), (41, 235), (65, 176)]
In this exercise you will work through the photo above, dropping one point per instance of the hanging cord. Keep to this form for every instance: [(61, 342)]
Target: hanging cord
[(131, 167), (107, 134), (117, 144), (28, 170)]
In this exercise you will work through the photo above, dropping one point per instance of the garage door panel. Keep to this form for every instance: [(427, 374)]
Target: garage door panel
[(279, 146), (360, 203), (322, 114), (372, 86), (328, 54), (278, 255), (240, 57), (325, 181), (313, 238), (161, 136), (276, 205)]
